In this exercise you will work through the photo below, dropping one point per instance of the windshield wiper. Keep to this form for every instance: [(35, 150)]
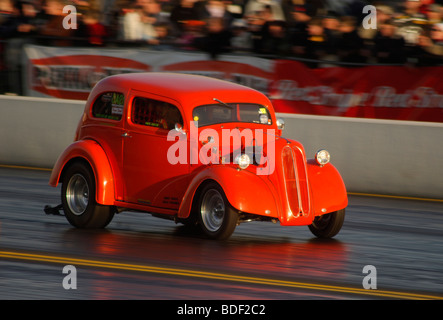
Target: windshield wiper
[(223, 103)]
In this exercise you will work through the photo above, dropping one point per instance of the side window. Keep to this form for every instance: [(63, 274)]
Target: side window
[(154, 113), (109, 105)]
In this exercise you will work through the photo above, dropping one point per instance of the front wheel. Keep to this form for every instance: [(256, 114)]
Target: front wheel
[(78, 199), (328, 225), (217, 218)]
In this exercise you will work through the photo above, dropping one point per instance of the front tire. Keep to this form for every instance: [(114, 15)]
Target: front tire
[(328, 225), (216, 217), (78, 199)]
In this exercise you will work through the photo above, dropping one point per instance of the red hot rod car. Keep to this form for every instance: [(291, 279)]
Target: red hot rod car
[(197, 150)]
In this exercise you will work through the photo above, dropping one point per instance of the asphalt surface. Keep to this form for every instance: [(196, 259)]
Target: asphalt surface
[(142, 257)]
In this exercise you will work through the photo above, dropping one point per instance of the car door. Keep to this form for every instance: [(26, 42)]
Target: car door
[(150, 179), (105, 125)]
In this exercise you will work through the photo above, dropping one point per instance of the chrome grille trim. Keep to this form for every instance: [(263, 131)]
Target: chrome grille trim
[(298, 200)]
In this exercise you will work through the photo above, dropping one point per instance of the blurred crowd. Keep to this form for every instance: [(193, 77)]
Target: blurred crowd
[(408, 31)]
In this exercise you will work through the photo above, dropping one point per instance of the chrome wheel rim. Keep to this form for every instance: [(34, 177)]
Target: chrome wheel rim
[(212, 210), (77, 194)]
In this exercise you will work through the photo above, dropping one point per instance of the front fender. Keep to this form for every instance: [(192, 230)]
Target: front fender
[(93, 153), (244, 190), (327, 188)]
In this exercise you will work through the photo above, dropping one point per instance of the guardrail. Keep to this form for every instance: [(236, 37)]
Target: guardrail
[(374, 156), (34, 131), (389, 157)]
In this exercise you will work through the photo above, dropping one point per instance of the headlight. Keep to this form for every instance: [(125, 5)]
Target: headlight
[(322, 157), (280, 123), (243, 161)]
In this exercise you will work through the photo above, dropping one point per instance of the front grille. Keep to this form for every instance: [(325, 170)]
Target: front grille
[(296, 181)]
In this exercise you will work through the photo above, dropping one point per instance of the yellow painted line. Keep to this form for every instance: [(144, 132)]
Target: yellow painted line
[(213, 276)]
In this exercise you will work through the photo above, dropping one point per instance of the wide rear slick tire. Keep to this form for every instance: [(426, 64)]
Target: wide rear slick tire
[(78, 199), (328, 225), (216, 217)]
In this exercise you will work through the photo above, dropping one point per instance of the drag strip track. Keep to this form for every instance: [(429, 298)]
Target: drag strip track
[(141, 257)]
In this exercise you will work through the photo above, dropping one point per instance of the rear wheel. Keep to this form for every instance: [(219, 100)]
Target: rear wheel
[(78, 199), (328, 225), (217, 218)]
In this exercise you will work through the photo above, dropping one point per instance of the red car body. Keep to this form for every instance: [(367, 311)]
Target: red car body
[(170, 144)]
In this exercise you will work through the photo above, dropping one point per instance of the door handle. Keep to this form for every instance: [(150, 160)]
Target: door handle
[(126, 135)]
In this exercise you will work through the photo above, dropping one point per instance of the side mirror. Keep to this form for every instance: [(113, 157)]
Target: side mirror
[(179, 128)]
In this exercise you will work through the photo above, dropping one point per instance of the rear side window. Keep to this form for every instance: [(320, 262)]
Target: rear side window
[(154, 113), (109, 105)]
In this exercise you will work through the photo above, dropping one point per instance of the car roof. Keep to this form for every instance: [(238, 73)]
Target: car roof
[(187, 89)]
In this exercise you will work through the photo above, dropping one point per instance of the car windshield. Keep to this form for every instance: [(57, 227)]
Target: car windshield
[(231, 112)]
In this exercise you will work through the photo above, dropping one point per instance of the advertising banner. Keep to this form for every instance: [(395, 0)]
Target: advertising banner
[(380, 92)]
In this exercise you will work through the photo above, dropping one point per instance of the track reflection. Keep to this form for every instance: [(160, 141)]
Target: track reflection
[(314, 258)]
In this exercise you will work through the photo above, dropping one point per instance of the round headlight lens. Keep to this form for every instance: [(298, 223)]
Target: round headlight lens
[(243, 161), (280, 123), (322, 157)]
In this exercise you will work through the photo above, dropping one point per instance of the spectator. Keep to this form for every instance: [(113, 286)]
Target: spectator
[(216, 9), (433, 44), (91, 29), (217, 39), (387, 43), (301, 11), (185, 10), (437, 34), (350, 46), (52, 27), (192, 30), (422, 53), (299, 15), (253, 6), (137, 24), (275, 40), (164, 39), (331, 26), (266, 26), (316, 44), (264, 33), (434, 13), (241, 40), (151, 11), (20, 21), (255, 24), (6, 10), (410, 21)]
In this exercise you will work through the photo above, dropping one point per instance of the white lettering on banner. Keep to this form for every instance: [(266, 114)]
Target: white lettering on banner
[(75, 78), (318, 95), (257, 83), (421, 97), (83, 78), (71, 74), (211, 74), (381, 96)]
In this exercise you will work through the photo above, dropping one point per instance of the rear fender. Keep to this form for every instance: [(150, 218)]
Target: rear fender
[(245, 191), (91, 152), (327, 188)]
